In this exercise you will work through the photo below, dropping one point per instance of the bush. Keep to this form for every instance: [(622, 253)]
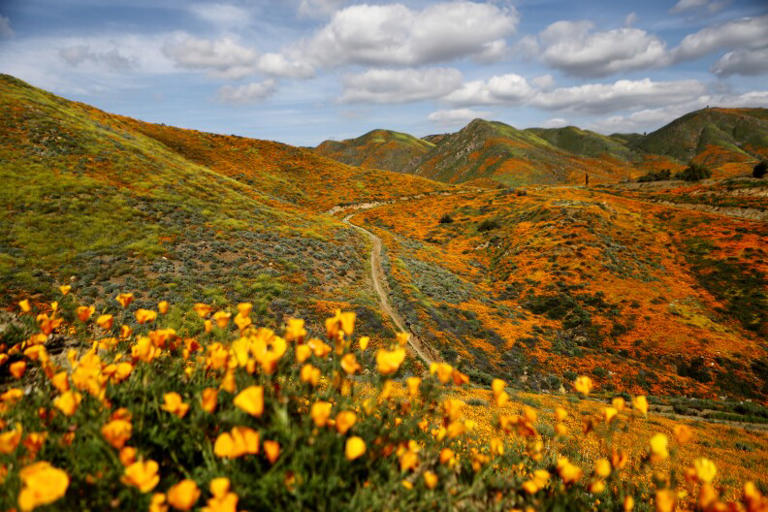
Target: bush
[(694, 172), (760, 169), (655, 176), (446, 219), (488, 225)]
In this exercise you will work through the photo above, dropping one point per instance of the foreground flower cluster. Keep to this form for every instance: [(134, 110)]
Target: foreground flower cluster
[(113, 411)]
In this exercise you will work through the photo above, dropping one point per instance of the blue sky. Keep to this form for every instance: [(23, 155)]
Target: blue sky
[(301, 71)]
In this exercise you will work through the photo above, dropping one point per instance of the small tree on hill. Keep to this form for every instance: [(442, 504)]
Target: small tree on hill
[(760, 169), (694, 172)]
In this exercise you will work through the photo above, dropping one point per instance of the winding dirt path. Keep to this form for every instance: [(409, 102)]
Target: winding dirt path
[(378, 277)]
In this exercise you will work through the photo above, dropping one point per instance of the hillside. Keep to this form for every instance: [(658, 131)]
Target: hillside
[(560, 281), (378, 149), (716, 137), (505, 154), (106, 203), (729, 141)]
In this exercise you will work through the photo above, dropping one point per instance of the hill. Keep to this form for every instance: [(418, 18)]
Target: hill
[(494, 150), (378, 149), (729, 141), (560, 281), (719, 138), (107, 203)]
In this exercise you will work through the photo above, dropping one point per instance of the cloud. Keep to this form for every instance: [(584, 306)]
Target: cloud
[(248, 93), (222, 15), (222, 57), (506, 89), (555, 122), (687, 5), (319, 8), (740, 33), (459, 116), (5, 27), (620, 95), (276, 64), (742, 62), (544, 81), (395, 35), (226, 58), (399, 85), (111, 59), (631, 19), (574, 48)]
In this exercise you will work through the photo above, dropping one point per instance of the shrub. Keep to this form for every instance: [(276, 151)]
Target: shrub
[(760, 169), (488, 225), (446, 219), (654, 176), (694, 172)]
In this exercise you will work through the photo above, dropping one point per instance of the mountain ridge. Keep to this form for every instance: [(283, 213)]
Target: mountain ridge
[(729, 140)]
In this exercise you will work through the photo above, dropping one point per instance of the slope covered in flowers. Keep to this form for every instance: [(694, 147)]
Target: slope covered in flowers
[(543, 284), (246, 418), (102, 201)]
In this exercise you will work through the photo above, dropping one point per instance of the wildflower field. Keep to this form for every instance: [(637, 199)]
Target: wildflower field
[(115, 409)]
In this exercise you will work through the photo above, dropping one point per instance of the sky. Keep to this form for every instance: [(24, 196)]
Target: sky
[(302, 71)]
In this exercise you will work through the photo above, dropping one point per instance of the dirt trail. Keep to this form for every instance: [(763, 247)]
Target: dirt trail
[(377, 271), (378, 277)]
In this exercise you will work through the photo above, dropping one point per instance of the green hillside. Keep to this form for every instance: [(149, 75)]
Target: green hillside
[(378, 149), (737, 133), (584, 142), (92, 200)]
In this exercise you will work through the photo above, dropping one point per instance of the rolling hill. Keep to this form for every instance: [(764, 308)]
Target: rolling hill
[(378, 149), (729, 141), (107, 204)]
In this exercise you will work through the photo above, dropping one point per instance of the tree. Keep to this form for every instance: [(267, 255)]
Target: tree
[(760, 169)]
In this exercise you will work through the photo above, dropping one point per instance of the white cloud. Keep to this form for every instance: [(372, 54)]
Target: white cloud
[(399, 85), (555, 122), (111, 59), (222, 15), (507, 89), (277, 64), (631, 19), (394, 34), (222, 57), (572, 47), (226, 58), (620, 95), (5, 27), (740, 33), (459, 116), (248, 93), (742, 62), (688, 5), (544, 81), (319, 8)]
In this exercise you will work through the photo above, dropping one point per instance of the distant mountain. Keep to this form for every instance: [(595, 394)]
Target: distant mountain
[(729, 141), (712, 136), (378, 149), (488, 149)]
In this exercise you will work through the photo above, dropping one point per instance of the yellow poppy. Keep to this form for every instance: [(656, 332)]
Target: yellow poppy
[(141, 474), (41, 484), (251, 400), (183, 495), (354, 448)]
